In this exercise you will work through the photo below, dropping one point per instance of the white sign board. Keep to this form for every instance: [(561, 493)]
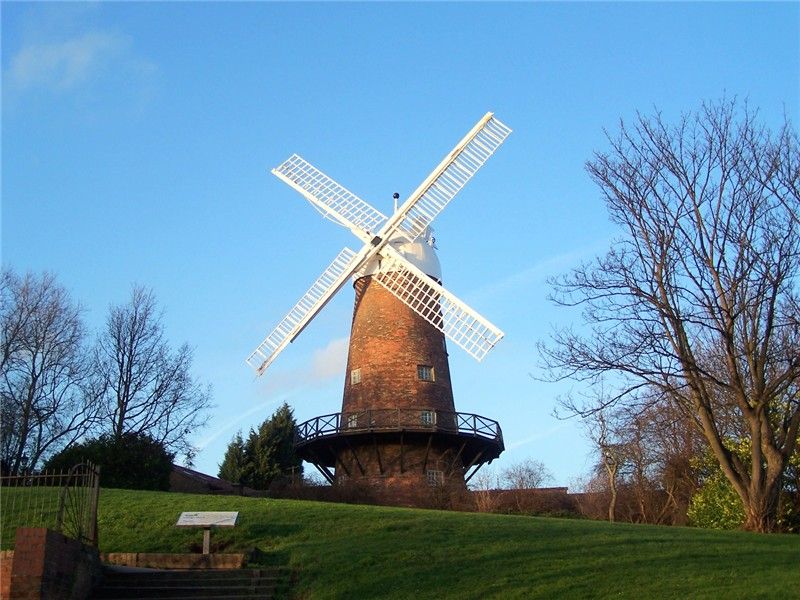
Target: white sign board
[(207, 519)]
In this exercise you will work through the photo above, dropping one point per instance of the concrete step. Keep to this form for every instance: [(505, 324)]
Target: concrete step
[(184, 582), (114, 571), (178, 579), (195, 584), (183, 591), (220, 596)]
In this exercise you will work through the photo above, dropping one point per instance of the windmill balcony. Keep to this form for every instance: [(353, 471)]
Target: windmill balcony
[(398, 419), (320, 439)]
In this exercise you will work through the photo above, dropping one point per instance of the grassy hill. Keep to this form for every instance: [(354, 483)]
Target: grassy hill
[(348, 551)]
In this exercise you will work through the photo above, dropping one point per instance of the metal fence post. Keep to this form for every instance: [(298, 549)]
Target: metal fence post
[(93, 504)]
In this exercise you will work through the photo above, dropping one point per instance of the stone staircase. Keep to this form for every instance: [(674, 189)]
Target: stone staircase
[(238, 584)]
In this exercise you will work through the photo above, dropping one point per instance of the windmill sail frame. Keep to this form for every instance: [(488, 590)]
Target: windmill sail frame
[(460, 323)]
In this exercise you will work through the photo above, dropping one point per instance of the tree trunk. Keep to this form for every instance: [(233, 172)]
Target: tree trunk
[(761, 508), (612, 505), (611, 468), (696, 301), (761, 514)]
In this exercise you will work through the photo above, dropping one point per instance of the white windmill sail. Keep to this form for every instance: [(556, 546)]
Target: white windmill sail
[(329, 197), (465, 327), (452, 174), (318, 295), (459, 323)]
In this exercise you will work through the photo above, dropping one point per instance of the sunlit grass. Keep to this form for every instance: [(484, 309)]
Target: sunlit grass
[(23, 506), (349, 551)]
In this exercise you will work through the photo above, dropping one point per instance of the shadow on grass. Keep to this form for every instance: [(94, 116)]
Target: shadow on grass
[(273, 530), (256, 557)]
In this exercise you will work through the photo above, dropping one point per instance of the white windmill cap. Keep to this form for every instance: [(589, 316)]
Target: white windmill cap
[(421, 253)]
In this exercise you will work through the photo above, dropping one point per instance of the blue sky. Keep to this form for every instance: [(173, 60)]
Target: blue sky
[(137, 140)]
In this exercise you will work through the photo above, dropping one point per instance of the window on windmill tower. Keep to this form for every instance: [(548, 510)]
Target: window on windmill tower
[(435, 477), (355, 376), (426, 416), (425, 373), (352, 420)]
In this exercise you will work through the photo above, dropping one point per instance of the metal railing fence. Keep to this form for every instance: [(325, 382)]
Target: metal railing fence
[(390, 419), (65, 501)]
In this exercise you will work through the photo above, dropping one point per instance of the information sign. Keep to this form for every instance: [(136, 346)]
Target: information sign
[(207, 519)]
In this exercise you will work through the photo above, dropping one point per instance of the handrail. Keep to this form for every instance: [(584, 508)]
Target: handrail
[(395, 419)]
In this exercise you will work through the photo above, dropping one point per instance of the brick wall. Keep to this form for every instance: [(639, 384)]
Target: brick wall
[(555, 500), (399, 475), (387, 342), (6, 562), (49, 565), (387, 493)]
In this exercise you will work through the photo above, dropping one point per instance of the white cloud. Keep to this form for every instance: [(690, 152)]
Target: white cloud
[(330, 361), (237, 420), (538, 272), (326, 364), (65, 64), (539, 436)]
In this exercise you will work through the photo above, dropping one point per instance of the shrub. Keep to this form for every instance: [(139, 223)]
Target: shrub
[(716, 505), (135, 461)]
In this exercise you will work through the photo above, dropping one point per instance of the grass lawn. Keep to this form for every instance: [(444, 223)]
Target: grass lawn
[(35, 506), (350, 551)]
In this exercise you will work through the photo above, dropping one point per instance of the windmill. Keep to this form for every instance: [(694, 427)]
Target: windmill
[(398, 429)]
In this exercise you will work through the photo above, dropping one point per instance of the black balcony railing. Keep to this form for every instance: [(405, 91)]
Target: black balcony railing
[(398, 419)]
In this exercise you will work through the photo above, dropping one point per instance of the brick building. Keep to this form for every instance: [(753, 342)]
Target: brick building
[(398, 435)]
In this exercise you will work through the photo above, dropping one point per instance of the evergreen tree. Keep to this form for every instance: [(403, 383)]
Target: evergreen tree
[(233, 465), (267, 455)]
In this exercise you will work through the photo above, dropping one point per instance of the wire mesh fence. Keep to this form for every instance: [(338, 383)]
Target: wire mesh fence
[(65, 501)]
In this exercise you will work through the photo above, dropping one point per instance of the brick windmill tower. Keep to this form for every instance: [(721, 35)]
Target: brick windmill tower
[(398, 432)]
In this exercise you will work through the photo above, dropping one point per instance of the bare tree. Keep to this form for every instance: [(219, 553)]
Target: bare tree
[(523, 477), (43, 371), (591, 500), (661, 445), (146, 387), (484, 486), (698, 298), (613, 453), (646, 457)]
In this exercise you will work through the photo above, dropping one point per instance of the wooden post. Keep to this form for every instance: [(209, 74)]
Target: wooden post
[(207, 540), (207, 520)]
